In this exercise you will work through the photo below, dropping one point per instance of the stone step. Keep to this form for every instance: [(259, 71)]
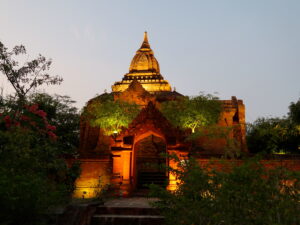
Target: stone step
[(103, 210), (112, 219)]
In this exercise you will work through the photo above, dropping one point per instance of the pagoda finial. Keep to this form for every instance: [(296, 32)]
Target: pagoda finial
[(145, 43), (145, 36)]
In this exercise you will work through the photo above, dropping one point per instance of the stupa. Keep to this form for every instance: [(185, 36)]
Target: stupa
[(145, 69)]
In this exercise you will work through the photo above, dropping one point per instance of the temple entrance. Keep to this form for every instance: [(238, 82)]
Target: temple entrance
[(150, 162)]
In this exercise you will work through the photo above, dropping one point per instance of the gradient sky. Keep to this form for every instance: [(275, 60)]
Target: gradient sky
[(249, 49)]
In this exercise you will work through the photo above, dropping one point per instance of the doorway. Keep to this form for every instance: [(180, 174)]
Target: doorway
[(150, 162)]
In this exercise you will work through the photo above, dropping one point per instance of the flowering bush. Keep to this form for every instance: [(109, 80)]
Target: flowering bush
[(33, 172), (31, 118), (34, 175)]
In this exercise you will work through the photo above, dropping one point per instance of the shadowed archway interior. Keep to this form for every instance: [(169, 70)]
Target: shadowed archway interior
[(150, 161)]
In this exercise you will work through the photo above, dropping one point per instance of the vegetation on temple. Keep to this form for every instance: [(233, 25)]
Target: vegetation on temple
[(244, 194), (193, 112), (37, 132), (110, 115)]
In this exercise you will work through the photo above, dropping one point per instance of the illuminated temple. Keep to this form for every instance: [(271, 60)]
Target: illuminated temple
[(123, 160)]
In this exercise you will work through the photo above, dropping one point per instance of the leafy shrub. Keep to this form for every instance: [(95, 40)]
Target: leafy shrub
[(238, 194), (192, 112), (273, 135), (109, 114), (34, 176)]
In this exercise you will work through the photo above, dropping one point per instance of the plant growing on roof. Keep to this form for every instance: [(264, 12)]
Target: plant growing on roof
[(111, 116), (192, 112)]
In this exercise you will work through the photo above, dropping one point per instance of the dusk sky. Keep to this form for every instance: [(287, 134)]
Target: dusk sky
[(248, 49)]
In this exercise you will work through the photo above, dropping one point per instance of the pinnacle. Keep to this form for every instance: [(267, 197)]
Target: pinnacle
[(145, 43)]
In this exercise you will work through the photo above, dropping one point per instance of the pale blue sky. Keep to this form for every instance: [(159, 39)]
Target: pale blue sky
[(250, 49)]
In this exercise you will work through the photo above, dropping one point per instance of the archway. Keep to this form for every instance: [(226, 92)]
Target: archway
[(150, 161)]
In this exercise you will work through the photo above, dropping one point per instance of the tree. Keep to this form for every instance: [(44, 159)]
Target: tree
[(192, 112), (266, 135), (294, 113), (63, 115), (110, 115), (33, 174), (27, 77), (243, 194), (275, 135)]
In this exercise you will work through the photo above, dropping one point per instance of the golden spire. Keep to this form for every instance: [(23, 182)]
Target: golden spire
[(145, 43), (144, 69)]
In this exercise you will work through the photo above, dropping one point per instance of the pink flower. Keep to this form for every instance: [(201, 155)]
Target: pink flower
[(50, 127), (52, 135), (7, 121), (24, 118), (33, 108), (41, 113)]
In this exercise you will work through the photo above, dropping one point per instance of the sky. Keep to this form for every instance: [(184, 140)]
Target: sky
[(248, 49)]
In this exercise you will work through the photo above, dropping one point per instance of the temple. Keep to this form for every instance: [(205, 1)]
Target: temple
[(128, 160)]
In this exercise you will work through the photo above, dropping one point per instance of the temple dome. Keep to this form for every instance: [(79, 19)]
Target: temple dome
[(145, 69), (144, 60)]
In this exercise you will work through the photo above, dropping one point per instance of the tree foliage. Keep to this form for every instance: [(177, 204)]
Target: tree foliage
[(36, 132), (33, 174), (294, 113), (275, 135), (28, 76), (272, 135), (244, 194), (192, 112), (62, 114), (112, 116)]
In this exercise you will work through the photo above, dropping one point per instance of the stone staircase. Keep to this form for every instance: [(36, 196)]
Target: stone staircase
[(122, 214)]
